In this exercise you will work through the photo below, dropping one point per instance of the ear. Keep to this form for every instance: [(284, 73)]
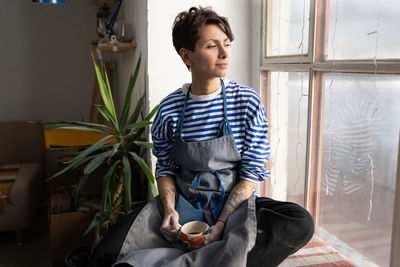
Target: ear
[(185, 56)]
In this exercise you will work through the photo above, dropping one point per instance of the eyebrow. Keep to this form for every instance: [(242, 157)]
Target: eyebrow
[(216, 40)]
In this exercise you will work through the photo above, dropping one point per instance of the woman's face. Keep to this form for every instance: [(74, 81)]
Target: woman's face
[(211, 55)]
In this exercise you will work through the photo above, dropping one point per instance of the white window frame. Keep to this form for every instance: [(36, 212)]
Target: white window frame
[(317, 66)]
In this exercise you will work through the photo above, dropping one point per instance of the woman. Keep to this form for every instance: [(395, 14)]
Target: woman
[(210, 140)]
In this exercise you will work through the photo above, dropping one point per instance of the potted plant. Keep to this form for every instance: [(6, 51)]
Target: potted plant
[(120, 150)]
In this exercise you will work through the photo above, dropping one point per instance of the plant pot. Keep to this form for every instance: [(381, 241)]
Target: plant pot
[(78, 257)]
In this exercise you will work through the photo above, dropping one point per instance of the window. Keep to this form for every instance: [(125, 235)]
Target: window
[(331, 86)]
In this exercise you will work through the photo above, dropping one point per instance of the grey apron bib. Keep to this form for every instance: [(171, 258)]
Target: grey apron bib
[(207, 172)]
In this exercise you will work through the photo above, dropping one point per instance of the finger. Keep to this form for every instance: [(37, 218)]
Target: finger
[(165, 231), (171, 233), (176, 228), (169, 236), (175, 222), (165, 224), (208, 239)]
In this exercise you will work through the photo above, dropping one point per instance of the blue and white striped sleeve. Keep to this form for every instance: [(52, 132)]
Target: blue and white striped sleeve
[(256, 149), (162, 144)]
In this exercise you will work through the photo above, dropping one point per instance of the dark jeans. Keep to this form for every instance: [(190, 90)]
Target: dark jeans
[(282, 229)]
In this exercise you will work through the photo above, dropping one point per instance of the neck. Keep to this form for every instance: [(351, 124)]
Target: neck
[(204, 86)]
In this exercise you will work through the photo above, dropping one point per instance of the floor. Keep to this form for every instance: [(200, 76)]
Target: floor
[(34, 252)]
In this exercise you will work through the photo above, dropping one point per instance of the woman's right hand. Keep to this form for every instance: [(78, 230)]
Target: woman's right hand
[(170, 226)]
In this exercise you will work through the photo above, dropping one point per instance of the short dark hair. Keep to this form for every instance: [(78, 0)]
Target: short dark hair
[(185, 31)]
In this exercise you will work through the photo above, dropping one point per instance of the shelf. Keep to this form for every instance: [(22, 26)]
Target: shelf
[(58, 138), (109, 47), (102, 2)]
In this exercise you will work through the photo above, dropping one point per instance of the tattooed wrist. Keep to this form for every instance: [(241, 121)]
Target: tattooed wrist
[(167, 189), (241, 192)]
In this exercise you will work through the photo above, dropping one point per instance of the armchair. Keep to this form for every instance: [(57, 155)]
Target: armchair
[(21, 142)]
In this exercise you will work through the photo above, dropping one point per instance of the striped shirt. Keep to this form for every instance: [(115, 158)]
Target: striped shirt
[(203, 116)]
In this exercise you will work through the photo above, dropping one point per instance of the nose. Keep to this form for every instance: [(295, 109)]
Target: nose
[(223, 52)]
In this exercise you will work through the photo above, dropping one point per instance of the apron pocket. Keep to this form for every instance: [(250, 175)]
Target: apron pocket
[(187, 212)]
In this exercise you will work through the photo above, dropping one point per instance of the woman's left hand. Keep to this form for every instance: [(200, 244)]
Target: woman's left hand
[(216, 233)]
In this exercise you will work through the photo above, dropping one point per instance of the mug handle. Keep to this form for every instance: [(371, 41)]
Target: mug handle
[(206, 232)]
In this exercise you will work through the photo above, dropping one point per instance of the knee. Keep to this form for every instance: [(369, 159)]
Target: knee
[(304, 226), (288, 220)]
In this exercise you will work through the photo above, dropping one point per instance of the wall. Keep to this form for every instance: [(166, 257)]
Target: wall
[(45, 66), (256, 10), (46, 71), (133, 12)]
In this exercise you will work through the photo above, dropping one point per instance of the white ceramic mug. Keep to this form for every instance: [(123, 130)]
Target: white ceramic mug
[(193, 234)]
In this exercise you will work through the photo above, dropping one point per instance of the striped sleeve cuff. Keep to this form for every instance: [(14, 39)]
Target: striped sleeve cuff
[(164, 172), (254, 176)]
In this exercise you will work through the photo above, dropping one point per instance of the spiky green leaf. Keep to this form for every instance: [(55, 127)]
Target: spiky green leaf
[(153, 189), (143, 166), (151, 114), (78, 123), (127, 183), (96, 162), (110, 97), (82, 157), (103, 89), (114, 150), (91, 205), (138, 125), (85, 129), (127, 105), (77, 189), (106, 182), (136, 112), (106, 114), (105, 92), (96, 221), (147, 145)]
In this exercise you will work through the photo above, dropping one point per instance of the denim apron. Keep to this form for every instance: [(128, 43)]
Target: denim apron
[(207, 172)]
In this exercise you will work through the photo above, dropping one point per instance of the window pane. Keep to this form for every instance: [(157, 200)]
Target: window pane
[(364, 29), (287, 27), (360, 137), (287, 109)]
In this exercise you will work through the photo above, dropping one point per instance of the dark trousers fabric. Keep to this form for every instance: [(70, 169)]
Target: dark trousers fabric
[(282, 229)]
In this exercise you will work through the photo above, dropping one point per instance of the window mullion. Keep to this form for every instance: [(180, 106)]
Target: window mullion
[(395, 246), (314, 155), (321, 29), (315, 124)]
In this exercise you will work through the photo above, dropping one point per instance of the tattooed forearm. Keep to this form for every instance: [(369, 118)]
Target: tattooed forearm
[(168, 195), (241, 192), (167, 189)]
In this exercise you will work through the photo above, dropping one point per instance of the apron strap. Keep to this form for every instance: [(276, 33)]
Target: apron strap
[(181, 118), (224, 127), (218, 208)]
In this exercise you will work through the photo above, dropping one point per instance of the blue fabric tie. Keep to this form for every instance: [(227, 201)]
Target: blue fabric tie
[(217, 200)]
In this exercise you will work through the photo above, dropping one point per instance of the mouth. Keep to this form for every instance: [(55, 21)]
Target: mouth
[(222, 65)]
